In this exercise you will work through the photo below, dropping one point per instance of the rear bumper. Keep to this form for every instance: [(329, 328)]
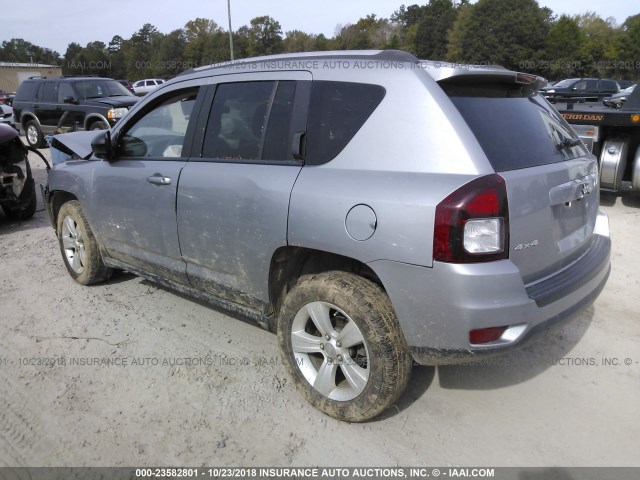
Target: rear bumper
[(437, 307)]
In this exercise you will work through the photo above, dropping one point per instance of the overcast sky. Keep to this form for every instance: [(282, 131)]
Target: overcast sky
[(56, 24)]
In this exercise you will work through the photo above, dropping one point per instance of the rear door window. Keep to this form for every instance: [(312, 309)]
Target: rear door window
[(337, 110), (516, 131), (592, 85), (251, 121), (49, 92)]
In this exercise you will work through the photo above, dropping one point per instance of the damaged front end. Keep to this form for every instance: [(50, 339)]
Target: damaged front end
[(17, 187)]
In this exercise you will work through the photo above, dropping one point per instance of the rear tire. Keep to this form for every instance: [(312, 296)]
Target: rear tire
[(344, 347), (34, 135), (79, 247)]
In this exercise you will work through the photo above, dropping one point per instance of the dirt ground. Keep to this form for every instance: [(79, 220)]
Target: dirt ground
[(189, 386)]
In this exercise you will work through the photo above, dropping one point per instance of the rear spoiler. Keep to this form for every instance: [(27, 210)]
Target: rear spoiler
[(457, 73)]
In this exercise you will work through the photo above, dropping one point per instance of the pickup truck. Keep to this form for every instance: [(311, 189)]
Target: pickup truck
[(613, 135)]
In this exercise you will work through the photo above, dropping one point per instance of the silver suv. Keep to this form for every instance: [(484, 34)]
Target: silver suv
[(370, 208)]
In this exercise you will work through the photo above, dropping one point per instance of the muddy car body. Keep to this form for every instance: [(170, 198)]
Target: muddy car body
[(372, 209)]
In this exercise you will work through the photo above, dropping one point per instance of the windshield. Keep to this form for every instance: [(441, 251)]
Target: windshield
[(99, 88), (518, 131)]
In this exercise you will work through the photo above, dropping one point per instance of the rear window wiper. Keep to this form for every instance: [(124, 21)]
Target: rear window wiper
[(568, 143)]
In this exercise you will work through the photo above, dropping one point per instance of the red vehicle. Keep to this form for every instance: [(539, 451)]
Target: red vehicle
[(6, 97)]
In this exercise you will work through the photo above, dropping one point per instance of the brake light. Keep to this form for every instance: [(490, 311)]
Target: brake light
[(472, 224)]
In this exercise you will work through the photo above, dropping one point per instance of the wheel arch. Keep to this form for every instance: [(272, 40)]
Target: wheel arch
[(56, 200), (92, 118), (289, 263), (26, 117)]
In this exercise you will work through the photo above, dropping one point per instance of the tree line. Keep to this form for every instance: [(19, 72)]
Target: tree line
[(517, 34)]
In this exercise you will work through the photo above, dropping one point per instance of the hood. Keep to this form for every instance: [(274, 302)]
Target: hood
[(116, 102), (76, 144)]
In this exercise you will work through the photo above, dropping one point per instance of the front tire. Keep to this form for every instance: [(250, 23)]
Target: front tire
[(344, 347), (79, 247), (95, 126)]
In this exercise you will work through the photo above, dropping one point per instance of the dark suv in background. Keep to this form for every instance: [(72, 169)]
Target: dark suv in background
[(586, 89), (57, 104)]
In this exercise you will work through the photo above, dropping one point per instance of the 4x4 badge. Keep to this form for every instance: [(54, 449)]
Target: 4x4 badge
[(524, 246)]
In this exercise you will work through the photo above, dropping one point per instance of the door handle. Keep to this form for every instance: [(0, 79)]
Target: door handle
[(158, 179)]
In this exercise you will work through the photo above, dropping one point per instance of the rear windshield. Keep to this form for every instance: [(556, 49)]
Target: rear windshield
[(517, 131)]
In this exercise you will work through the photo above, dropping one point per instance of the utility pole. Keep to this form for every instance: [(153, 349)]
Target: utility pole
[(230, 30)]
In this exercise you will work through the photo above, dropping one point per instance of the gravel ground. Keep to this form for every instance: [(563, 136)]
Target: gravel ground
[(191, 386)]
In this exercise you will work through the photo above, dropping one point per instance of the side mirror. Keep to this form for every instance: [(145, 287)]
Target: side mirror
[(101, 145), (71, 100)]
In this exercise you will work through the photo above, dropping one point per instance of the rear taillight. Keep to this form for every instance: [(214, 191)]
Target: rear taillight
[(472, 224)]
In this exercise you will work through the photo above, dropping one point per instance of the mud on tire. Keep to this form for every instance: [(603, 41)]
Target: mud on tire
[(344, 347), (78, 246)]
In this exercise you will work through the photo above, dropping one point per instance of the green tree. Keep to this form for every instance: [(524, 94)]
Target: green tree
[(168, 59), (139, 52), (628, 48), (597, 50), (430, 39), (20, 50), (562, 49), (206, 42), (116, 49), (241, 42), (369, 32), (502, 32), (265, 36), (297, 41)]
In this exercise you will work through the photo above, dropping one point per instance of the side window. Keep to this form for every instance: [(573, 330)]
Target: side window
[(238, 120), (592, 85), (609, 85), (64, 91), (337, 110), (277, 143), (27, 91), (161, 131), (581, 85), (49, 92)]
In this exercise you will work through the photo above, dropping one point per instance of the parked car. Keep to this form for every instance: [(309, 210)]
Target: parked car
[(6, 114), (617, 100), (48, 104), (127, 84), (6, 98), (17, 188), (625, 83), (584, 89), (371, 216), (142, 87)]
